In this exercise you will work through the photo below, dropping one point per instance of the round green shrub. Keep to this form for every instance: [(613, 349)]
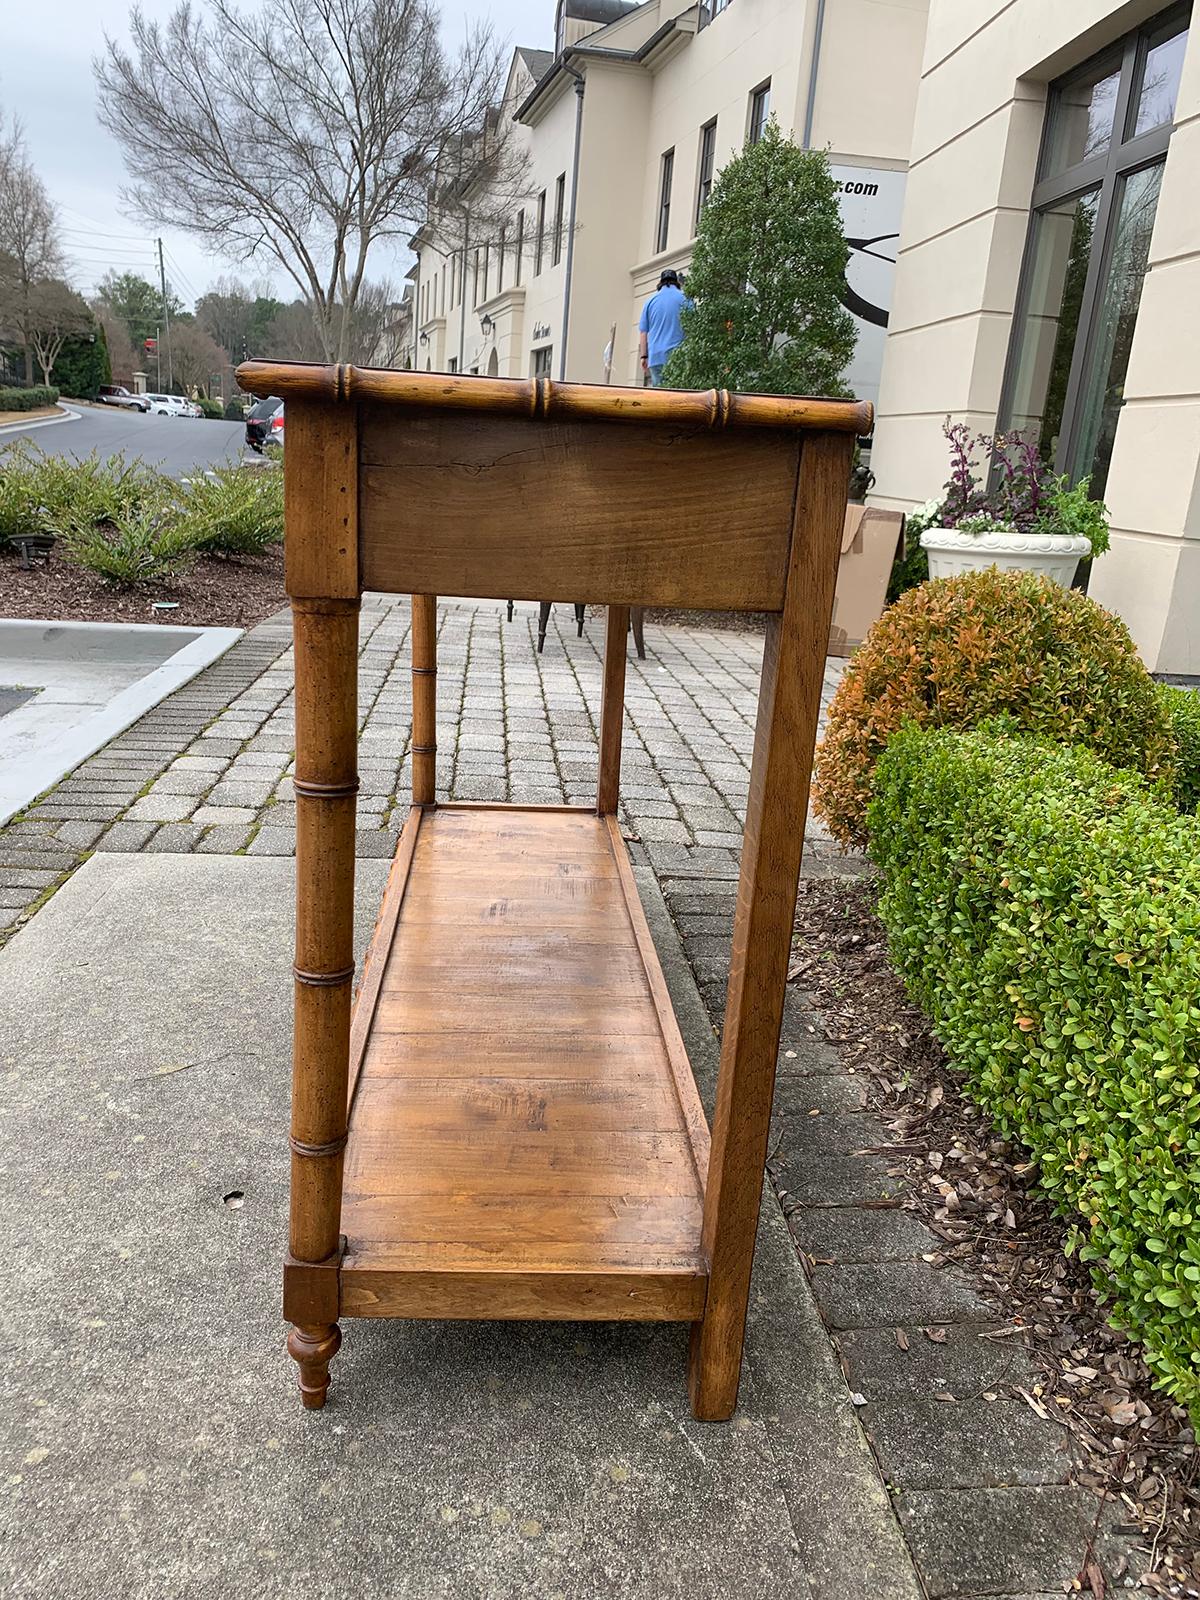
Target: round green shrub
[(1044, 910), (956, 651)]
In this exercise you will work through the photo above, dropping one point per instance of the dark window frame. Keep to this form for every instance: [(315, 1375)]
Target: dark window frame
[(706, 163), (539, 243), (666, 175), (759, 112), (560, 211), (519, 247), (1107, 173), (541, 361)]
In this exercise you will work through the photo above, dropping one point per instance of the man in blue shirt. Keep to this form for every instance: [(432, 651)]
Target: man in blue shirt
[(660, 326)]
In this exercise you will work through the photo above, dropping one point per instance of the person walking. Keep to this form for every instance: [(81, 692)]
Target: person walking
[(660, 327)]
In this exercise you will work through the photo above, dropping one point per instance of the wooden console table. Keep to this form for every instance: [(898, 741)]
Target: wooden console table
[(503, 1121)]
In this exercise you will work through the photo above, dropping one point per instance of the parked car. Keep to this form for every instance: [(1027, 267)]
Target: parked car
[(112, 394), (264, 423), (169, 405)]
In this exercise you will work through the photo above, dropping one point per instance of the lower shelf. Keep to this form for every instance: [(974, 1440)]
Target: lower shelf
[(525, 1135)]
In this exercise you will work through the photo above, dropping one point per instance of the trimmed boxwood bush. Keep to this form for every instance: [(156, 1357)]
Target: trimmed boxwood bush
[(27, 399), (957, 651), (1183, 713), (1044, 910)]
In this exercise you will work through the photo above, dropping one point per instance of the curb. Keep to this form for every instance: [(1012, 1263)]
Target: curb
[(43, 422)]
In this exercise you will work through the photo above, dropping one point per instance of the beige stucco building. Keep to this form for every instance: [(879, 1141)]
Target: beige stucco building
[(624, 123), (1049, 277)]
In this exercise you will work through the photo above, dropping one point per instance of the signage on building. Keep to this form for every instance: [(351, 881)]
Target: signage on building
[(871, 200), (541, 330)]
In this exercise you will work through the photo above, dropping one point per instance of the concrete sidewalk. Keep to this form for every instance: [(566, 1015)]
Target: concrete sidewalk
[(153, 1439)]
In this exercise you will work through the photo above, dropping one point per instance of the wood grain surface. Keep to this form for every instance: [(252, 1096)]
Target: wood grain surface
[(520, 1109), (475, 504)]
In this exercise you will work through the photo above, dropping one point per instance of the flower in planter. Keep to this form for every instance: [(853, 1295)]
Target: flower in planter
[(1019, 493)]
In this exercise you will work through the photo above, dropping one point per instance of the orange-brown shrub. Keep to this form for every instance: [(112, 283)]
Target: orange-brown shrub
[(957, 651)]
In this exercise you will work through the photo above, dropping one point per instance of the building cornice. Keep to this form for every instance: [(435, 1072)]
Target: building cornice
[(503, 301), (662, 43)]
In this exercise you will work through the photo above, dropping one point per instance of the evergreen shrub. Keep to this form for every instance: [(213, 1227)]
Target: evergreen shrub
[(28, 399), (1182, 707), (1044, 910), (957, 651), (235, 511)]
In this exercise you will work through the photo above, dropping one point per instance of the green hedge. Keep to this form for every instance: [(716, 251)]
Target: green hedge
[(27, 399), (1044, 909), (1183, 713)]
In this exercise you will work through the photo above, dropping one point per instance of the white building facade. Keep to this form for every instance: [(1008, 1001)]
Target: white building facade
[(1049, 278), (624, 125)]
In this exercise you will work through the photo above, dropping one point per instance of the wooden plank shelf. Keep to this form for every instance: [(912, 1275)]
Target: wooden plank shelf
[(525, 1135), (504, 1122)]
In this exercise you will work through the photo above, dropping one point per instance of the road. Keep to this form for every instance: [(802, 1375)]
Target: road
[(176, 445)]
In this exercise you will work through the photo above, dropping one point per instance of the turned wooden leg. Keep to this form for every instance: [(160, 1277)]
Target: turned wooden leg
[(543, 623), (510, 610), (313, 1348), (580, 615)]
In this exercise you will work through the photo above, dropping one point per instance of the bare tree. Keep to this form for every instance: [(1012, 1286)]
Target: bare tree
[(122, 357), (55, 314), (197, 357), (304, 132), (29, 235)]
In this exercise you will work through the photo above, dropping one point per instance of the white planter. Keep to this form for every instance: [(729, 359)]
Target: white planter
[(1055, 554)]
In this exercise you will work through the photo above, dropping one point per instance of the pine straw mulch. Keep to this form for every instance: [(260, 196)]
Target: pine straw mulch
[(213, 592), (1136, 1449)]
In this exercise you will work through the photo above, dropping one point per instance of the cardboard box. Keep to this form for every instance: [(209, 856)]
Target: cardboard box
[(872, 539)]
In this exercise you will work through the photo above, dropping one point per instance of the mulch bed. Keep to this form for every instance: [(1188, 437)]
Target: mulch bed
[(975, 1193), (214, 592)]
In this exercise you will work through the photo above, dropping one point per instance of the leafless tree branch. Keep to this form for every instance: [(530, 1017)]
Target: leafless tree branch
[(302, 132)]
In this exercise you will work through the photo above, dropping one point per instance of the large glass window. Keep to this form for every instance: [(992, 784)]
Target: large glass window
[(1107, 130)]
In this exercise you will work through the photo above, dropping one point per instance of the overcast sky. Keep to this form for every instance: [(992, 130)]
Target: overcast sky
[(46, 79)]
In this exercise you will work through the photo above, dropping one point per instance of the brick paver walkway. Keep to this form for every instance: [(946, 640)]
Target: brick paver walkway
[(980, 1488), (209, 769)]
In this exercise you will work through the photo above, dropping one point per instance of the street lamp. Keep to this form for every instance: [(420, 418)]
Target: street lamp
[(486, 323)]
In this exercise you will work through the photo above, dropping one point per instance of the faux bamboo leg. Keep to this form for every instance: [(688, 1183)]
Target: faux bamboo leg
[(326, 783), (424, 698), (543, 623), (580, 616), (788, 708), (313, 1347), (612, 709)]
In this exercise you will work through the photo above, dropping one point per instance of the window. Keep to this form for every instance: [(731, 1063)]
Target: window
[(540, 240), (542, 358), (519, 247), (1105, 143), (712, 8), (708, 151), (487, 252), (442, 290), (560, 200), (475, 279), (452, 364), (500, 259), (663, 229), (760, 111)]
